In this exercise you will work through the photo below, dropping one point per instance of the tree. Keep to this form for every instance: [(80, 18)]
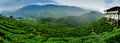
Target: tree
[(20, 18), (11, 16), (0, 14)]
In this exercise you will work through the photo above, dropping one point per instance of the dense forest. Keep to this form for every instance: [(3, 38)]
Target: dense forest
[(101, 31)]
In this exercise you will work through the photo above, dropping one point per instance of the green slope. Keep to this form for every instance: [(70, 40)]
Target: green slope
[(101, 31), (84, 19), (109, 37), (12, 31)]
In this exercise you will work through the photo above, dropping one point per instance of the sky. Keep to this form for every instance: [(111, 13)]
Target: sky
[(99, 5)]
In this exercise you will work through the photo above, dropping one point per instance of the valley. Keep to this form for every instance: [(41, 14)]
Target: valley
[(59, 21), (15, 31)]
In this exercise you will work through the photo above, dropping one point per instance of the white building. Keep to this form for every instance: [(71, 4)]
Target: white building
[(113, 13)]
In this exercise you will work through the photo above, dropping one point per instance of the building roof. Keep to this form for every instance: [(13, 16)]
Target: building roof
[(117, 8)]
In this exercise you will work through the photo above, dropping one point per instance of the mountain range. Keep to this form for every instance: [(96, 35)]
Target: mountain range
[(13, 31), (75, 20), (69, 14), (41, 11)]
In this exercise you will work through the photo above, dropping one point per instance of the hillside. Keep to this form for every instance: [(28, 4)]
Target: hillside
[(43, 11), (56, 13), (108, 37), (15, 31), (86, 18), (12, 31)]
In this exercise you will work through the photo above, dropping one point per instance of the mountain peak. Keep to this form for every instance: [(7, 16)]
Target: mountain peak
[(35, 5)]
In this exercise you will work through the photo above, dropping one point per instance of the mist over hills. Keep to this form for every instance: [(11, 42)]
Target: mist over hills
[(13, 31), (41, 11), (66, 14), (49, 10), (54, 31), (76, 20), (58, 21)]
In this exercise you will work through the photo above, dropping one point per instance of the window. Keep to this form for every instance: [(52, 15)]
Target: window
[(116, 15)]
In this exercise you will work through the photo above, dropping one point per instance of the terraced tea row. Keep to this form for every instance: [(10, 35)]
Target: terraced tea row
[(15, 31)]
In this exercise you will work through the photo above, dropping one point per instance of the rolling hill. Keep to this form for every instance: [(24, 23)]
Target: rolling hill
[(56, 13), (49, 10), (101, 31), (86, 18), (12, 31)]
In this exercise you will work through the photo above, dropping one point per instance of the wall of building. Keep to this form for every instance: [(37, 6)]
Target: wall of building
[(119, 17), (112, 15)]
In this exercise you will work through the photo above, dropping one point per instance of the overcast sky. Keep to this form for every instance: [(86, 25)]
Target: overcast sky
[(99, 5)]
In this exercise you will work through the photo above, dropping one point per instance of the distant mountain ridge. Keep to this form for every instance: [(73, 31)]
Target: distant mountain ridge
[(66, 14), (76, 20), (12, 31), (41, 11)]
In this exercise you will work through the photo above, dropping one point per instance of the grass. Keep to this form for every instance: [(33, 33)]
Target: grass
[(13, 31)]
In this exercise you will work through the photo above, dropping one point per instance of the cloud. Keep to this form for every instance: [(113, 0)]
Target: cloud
[(15, 4), (99, 5), (112, 3), (20, 2)]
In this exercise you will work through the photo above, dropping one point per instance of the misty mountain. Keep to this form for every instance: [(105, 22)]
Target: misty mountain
[(76, 20), (90, 17), (42, 11), (57, 13)]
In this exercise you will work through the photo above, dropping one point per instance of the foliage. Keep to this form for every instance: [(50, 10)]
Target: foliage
[(101, 31)]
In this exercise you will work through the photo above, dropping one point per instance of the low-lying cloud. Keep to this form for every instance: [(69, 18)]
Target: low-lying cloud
[(15, 4), (99, 5)]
